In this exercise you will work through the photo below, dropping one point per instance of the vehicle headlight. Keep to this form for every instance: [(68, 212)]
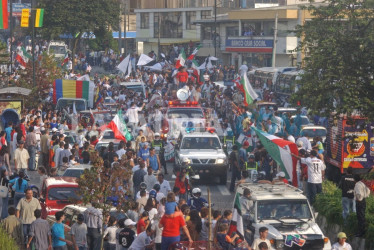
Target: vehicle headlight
[(220, 161)]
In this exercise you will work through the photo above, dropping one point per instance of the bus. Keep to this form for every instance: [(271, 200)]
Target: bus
[(286, 85), (265, 78)]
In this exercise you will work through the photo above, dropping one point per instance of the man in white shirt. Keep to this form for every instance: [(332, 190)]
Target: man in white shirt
[(164, 184), (263, 231), (150, 179), (316, 172), (132, 115), (143, 241), (305, 143), (121, 151), (361, 192), (341, 244)]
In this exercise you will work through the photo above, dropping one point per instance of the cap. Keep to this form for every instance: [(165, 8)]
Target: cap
[(246, 144), (153, 194), (300, 144), (281, 174), (21, 142), (80, 217), (129, 222), (342, 235), (196, 190), (157, 134), (54, 129)]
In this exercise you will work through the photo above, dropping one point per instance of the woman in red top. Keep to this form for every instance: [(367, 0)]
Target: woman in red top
[(171, 224), (142, 223), (182, 183), (182, 77)]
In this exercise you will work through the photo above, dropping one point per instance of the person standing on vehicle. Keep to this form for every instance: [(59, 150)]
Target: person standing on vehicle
[(58, 233), (235, 166), (347, 185), (93, 218), (158, 145), (40, 231), (182, 77), (31, 144), (132, 115), (21, 157), (25, 211), (361, 192)]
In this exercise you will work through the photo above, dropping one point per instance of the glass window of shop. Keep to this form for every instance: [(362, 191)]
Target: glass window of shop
[(190, 19), (144, 20), (170, 23), (257, 59)]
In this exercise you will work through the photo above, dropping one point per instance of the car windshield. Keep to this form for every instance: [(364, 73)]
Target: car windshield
[(64, 103), (200, 143), (55, 49), (313, 132), (108, 135), (63, 193), (174, 113), (73, 173), (280, 209), (136, 88)]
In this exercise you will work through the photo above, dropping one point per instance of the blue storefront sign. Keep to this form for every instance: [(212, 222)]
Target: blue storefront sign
[(249, 45)]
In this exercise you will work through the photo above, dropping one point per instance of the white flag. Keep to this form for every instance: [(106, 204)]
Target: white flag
[(144, 59), (129, 70), (124, 64)]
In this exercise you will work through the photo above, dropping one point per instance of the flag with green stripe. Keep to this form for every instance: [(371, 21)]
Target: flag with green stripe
[(25, 53), (237, 218), (39, 18), (4, 14)]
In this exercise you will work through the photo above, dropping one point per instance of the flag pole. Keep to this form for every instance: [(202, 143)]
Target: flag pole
[(11, 35), (33, 42)]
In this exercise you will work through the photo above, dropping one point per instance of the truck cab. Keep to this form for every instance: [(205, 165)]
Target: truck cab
[(287, 214)]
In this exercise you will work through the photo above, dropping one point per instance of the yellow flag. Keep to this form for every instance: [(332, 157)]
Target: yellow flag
[(25, 18)]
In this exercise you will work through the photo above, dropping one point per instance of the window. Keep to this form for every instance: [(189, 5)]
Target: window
[(144, 20), (206, 33), (190, 19), (232, 31), (170, 23), (206, 14)]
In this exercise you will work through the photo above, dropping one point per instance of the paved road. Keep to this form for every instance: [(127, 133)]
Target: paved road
[(220, 194)]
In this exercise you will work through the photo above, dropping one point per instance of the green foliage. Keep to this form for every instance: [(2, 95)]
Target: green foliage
[(7, 242), (4, 55), (103, 41), (329, 204), (339, 56)]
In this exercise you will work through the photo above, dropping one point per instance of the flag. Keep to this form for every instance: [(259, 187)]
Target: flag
[(25, 53), (124, 64), (144, 59), (280, 150), (129, 69), (249, 94), (39, 18), (237, 218), (118, 126), (238, 84), (98, 99), (4, 15), (21, 60), (66, 59), (196, 71), (181, 59), (194, 52), (25, 17)]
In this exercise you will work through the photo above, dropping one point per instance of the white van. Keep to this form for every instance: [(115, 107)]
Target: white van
[(58, 49)]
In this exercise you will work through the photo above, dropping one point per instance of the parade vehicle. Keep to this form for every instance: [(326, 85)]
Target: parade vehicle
[(349, 143), (288, 110), (57, 48), (261, 104), (136, 86), (314, 131), (105, 143), (266, 77), (287, 214), (56, 193), (76, 170), (286, 85), (181, 114), (79, 104), (91, 117), (204, 151), (304, 120), (107, 134)]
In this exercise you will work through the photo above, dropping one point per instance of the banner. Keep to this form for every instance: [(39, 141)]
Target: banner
[(25, 18)]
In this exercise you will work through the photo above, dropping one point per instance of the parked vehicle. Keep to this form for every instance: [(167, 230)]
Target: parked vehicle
[(76, 170)]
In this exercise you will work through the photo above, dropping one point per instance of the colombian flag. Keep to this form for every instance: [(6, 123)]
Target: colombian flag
[(39, 18), (4, 14)]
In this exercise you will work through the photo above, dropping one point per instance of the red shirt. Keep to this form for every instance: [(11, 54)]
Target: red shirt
[(286, 181), (141, 223), (172, 224), (23, 129), (182, 76), (181, 185)]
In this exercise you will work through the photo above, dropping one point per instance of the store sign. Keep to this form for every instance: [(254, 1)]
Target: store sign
[(249, 45), (17, 8)]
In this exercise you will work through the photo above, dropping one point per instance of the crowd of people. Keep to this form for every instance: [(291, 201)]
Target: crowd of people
[(160, 215)]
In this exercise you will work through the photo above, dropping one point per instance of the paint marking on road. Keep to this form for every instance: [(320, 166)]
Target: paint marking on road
[(223, 190)]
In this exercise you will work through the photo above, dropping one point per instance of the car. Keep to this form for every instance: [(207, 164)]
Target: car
[(205, 153), (287, 110), (107, 134), (285, 211), (71, 213), (91, 117), (136, 86), (262, 104), (312, 131), (76, 170), (56, 193), (304, 120), (105, 143)]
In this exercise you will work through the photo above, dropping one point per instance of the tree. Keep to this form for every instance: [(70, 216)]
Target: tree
[(74, 17), (339, 57)]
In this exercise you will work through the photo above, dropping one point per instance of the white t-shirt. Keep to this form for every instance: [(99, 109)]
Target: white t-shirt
[(140, 242), (120, 153), (257, 241), (132, 114), (111, 232), (315, 168), (165, 187), (345, 246)]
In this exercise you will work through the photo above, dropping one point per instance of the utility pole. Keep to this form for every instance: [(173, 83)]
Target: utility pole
[(159, 36), (275, 40), (119, 29), (11, 35), (125, 27), (215, 28), (33, 42)]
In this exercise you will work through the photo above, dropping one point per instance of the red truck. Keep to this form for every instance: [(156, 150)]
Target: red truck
[(350, 143)]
